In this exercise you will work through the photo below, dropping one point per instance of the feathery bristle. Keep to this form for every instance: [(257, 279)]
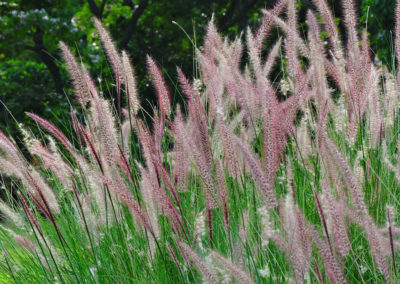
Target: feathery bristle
[(111, 51), (193, 256), (235, 271), (164, 100), (130, 84)]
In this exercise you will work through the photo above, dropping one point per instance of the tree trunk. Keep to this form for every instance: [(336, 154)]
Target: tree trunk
[(48, 60)]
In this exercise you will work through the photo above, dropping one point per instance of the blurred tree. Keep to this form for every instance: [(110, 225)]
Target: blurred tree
[(34, 78), (378, 17), (31, 75)]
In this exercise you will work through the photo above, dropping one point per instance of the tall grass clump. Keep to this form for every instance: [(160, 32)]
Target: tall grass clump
[(253, 180)]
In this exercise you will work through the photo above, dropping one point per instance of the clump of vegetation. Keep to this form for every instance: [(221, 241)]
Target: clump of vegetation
[(233, 186)]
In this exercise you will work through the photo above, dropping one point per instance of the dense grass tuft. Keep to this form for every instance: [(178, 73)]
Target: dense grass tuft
[(253, 181)]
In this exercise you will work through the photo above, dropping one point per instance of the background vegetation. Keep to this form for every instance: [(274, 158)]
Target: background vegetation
[(33, 78)]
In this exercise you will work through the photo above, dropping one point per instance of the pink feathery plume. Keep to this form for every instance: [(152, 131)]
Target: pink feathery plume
[(104, 119), (270, 146), (233, 269), (12, 154), (124, 165), (336, 212), (146, 142), (365, 58), (354, 87), (287, 109), (198, 117), (147, 192), (291, 43), (321, 125), (110, 49), (157, 169), (332, 70), (200, 264), (29, 214), (257, 173), (196, 113), (76, 74), (214, 84), (202, 159), (330, 26), (323, 219), (223, 197), (275, 134), (377, 250), (254, 55), (351, 182), (317, 60), (89, 83), (202, 153), (24, 242), (181, 168), (267, 23), (53, 130), (196, 152), (296, 243), (164, 201), (351, 26), (130, 84), (269, 63), (303, 236), (164, 99), (212, 40), (8, 141), (331, 265), (89, 143), (232, 160), (53, 163), (75, 125), (45, 201), (187, 88), (113, 56), (166, 178), (128, 199), (158, 135)]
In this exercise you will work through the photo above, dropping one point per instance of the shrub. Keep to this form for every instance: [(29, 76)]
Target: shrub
[(252, 181)]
